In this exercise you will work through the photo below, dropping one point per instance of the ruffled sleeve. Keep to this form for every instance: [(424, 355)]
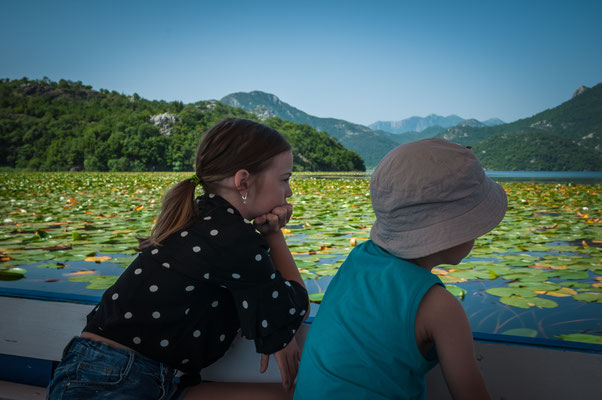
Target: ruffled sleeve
[(270, 308)]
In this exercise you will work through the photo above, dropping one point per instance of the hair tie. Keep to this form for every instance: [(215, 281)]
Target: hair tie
[(195, 179)]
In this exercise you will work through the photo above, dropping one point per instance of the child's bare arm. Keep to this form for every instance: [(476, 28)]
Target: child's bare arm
[(445, 322)]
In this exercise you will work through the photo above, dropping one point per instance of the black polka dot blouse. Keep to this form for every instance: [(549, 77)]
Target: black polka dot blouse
[(183, 302)]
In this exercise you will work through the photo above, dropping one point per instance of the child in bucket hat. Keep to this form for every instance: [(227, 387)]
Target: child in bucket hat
[(385, 319)]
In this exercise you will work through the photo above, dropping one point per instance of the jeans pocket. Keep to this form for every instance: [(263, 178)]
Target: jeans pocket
[(101, 373), (96, 373)]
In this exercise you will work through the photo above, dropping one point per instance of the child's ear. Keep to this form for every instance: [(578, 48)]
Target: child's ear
[(242, 179)]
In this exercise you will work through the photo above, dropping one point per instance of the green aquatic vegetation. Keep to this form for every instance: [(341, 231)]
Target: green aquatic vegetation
[(95, 281), (548, 245), (582, 337), (11, 273), (527, 332)]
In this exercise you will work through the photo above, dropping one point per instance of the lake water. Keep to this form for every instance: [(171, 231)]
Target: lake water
[(486, 313)]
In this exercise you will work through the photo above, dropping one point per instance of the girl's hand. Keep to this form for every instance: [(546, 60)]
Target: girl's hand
[(288, 361), (275, 220)]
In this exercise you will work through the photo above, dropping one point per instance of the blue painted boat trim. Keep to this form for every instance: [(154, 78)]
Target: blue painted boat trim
[(556, 344), (24, 370), (50, 296)]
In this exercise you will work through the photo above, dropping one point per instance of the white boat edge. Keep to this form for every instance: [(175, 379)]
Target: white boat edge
[(39, 330)]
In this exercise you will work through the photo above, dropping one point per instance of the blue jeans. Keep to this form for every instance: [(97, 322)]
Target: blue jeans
[(94, 370)]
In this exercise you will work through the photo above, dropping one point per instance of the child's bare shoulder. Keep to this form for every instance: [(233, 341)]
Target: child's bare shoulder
[(439, 304)]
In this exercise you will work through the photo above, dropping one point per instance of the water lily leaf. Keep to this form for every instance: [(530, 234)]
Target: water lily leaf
[(511, 291), (316, 297), (527, 332), (542, 303), (536, 286), (456, 291), (516, 301), (589, 297), (562, 292), (570, 274), (12, 273), (582, 337)]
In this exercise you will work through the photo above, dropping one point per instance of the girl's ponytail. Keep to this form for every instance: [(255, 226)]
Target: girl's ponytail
[(177, 211)]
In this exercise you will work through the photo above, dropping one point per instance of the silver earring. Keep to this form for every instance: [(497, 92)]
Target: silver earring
[(244, 198)]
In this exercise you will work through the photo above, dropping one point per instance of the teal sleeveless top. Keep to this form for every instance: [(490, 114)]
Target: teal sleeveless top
[(361, 345)]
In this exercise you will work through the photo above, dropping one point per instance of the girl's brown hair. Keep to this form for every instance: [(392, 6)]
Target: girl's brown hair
[(230, 145)]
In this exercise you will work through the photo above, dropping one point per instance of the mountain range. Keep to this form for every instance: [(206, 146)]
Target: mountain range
[(567, 137), (418, 124)]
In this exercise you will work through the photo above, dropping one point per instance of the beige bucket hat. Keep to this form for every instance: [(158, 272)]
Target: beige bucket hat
[(432, 195)]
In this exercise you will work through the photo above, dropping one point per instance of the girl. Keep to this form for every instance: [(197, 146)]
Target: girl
[(205, 272), (386, 320)]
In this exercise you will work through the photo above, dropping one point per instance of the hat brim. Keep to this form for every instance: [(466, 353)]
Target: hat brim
[(446, 234)]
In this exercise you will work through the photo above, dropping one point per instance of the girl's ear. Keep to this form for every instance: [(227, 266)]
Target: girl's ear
[(242, 180)]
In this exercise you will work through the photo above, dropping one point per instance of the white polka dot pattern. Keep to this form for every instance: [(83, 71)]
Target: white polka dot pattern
[(243, 266)]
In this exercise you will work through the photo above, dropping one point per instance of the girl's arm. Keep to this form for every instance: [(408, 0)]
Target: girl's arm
[(442, 319), (282, 257), (270, 226)]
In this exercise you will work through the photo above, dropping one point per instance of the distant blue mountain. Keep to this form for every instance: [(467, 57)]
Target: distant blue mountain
[(419, 124)]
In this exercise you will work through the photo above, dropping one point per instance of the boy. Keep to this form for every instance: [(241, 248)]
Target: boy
[(386, 320)]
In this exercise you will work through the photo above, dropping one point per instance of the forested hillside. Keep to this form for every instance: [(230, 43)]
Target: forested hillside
[(370, 145), (65, 125), (563, 138)]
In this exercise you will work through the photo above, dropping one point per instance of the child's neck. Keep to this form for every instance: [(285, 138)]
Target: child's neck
[(427, 262)]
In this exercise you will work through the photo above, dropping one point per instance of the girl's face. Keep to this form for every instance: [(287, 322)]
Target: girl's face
[(271, 187)]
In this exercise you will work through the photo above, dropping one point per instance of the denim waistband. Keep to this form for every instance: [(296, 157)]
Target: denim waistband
[(94, 349)]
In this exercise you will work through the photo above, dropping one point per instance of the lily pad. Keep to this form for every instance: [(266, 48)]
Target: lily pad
[(316, 297), (527, 332), (582, 337), (12, 274)]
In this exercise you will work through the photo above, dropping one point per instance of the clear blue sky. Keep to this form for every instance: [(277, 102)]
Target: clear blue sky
[(358, 61)]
